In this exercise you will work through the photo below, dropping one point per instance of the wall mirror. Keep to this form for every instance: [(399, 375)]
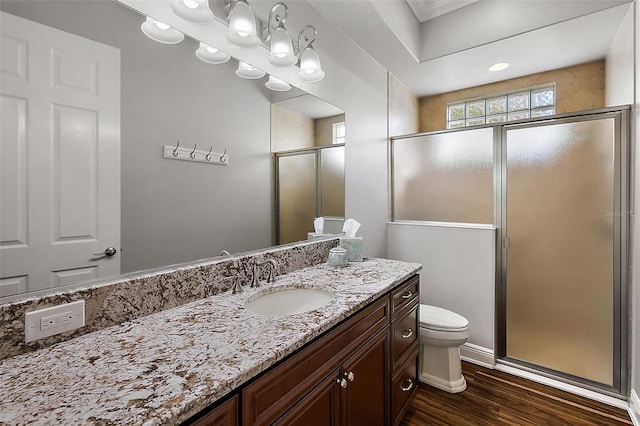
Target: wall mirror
[(103, 110)]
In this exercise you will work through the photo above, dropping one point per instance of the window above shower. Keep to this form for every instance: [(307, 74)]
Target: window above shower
[(531, 102)]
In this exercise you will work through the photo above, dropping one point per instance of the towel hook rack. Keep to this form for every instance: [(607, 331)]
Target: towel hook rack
[(178, 152)]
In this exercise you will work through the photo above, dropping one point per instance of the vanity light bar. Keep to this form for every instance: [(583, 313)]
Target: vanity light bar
[(243, 32)]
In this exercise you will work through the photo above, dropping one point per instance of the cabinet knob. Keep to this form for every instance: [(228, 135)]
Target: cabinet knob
[(407, 295), (408, 387), (342, 382), (349, 375), (407, 333)]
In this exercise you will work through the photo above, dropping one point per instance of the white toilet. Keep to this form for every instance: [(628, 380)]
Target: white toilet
[(441, 334)]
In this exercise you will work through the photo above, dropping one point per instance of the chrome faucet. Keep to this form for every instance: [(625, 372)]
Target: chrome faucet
[(255, 280), (224, 253)]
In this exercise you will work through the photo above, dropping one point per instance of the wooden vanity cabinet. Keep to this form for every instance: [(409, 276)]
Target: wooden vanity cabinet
[(362, 372)]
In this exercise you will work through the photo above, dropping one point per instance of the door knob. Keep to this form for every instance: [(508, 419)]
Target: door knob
[(109, 251)]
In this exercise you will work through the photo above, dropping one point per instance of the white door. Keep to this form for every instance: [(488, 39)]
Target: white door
[(59, 157)]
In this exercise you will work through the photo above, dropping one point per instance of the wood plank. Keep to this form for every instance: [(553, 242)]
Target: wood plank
[(497, 398)]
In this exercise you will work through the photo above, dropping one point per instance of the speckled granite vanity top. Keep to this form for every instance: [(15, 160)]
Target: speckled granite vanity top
[(168, 366)]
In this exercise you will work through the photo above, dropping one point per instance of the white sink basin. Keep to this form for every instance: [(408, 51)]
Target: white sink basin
[(288, 301)]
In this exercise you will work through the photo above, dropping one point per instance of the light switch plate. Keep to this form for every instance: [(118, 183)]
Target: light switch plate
[(50, 321)]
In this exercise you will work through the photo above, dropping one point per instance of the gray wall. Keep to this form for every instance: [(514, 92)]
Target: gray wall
[(176, 211)]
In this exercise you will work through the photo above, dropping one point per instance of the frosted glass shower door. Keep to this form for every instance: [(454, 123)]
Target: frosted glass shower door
[(297, 183), (560, 224)]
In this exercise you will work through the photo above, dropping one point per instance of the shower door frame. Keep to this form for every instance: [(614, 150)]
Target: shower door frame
[(621, 211)]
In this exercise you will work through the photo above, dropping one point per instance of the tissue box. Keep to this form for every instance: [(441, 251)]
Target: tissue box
[(353, 247), (314, 236)]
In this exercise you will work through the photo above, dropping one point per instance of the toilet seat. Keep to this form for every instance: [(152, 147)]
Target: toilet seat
[(435, 318)]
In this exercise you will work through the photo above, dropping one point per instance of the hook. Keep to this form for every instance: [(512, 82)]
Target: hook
[(193, 153), (175, 151), (222, 157), (208, 156)]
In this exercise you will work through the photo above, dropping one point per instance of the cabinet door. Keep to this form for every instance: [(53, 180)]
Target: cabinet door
[(224, 415), (320, 407), (365, 399)]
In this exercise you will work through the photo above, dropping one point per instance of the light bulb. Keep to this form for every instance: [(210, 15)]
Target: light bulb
[(242, 26), (277, 85), (310, 69), (197, 11), (281, 48), (247, 71), (211, 55), (191, 4), (161, 32)]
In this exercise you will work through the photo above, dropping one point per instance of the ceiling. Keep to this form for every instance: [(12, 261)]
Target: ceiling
[(429, 9), (437, 46)]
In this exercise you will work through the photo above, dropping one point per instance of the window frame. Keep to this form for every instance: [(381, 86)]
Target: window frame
[(468, 121)]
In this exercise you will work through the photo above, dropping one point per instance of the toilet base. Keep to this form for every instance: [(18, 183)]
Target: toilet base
[(440, 367), (447, 386)]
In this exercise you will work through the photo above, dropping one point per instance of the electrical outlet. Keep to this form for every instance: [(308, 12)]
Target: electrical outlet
[(50, 321)]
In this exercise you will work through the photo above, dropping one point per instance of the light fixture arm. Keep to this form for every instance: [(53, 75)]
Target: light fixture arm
[(279, 20), (298, 49)]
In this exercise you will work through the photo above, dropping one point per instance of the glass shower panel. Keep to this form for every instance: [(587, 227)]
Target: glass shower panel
[(559, 260), (445, 177), (296, 197), (332, 181)]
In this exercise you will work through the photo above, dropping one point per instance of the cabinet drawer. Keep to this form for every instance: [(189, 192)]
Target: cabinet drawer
[(404, 387), (405, 295), (405, 332)]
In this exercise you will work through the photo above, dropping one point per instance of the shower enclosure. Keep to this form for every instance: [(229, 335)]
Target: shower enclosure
[(560, 197), (309, 184)]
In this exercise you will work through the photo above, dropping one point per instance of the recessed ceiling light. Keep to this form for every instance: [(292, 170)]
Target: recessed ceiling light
[(499, 66)]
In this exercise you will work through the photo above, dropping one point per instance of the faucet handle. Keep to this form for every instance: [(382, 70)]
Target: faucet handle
[(236, 287), (272, 271)]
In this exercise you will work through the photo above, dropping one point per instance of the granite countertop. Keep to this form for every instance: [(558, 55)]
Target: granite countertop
[(168, 366)]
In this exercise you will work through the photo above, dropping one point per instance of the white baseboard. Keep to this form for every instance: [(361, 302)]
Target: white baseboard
[(634, 408), (478, 355), (576, 390)]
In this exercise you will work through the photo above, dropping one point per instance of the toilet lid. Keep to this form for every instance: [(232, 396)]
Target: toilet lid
[(441, 319)]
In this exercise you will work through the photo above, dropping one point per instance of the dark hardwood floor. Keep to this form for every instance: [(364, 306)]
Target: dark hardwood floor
[(496, 398)]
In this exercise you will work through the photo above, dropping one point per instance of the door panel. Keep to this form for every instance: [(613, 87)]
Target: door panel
[(320, 407), (560, 193), (59, 157), (13, 172), (366, 395)]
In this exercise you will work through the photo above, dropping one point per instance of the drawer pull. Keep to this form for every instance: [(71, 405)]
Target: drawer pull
[(407, 295), (408, 387), (407, 333), (350, 376), (342, 383)]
